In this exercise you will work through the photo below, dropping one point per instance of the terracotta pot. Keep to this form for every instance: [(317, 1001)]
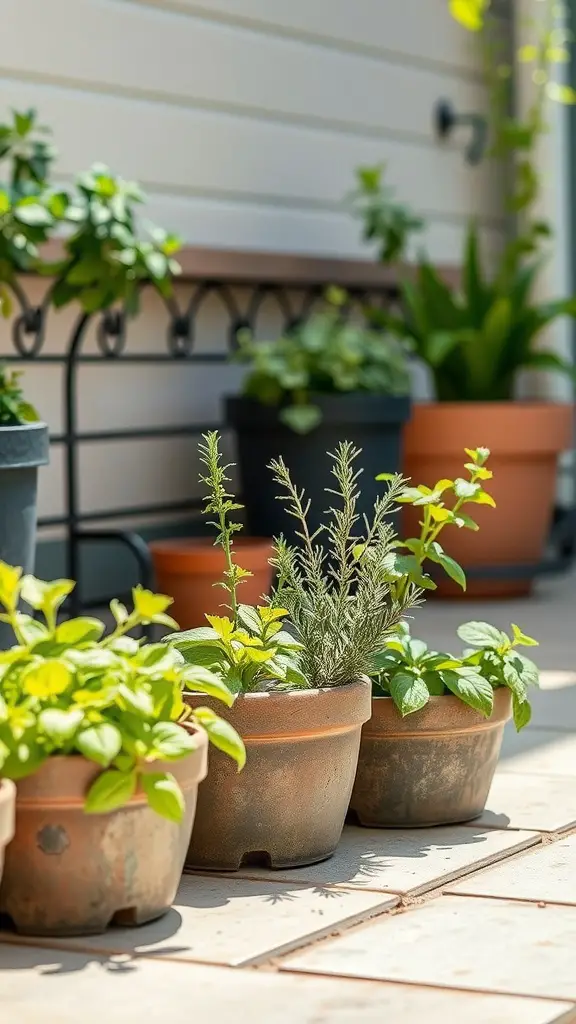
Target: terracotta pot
[(287, 807), (525, 440), (70, 873), (7, 805), (187, 569), (434, 767)]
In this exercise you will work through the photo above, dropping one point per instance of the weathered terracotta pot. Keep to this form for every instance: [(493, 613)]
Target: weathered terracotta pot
[(70, 873), (7, 805), (434, 767), (525, 440), (187, 568), (287, 807)]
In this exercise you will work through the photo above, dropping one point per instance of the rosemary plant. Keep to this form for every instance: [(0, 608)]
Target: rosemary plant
[(337, 586)]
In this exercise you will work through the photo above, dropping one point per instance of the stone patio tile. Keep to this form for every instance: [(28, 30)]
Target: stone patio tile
[(547, 874), (405, 861), (539, 752), (554, 707), (43, 985), (458, 942), (545, 803), (233, 921)]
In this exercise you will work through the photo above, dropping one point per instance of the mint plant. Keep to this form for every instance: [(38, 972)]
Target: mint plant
[(68, 689), (410, 673), (249, 650)]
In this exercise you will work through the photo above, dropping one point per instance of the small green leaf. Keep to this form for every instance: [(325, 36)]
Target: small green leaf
[(465, 489), (522, 712), (79, 631), (199, 679), (482, 634), (138, 700), (450, 566), (471, 688), (409, 692), (222, 735), (59, 724), (164, 795), (100, 743), (111, 790), (172, 741), (250, 619), (522, 639)]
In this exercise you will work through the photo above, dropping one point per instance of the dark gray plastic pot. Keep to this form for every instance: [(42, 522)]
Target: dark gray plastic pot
[(373, 423), (22, 450)]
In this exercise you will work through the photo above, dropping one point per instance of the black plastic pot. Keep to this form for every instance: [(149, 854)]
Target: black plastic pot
[(371, 422), (22, 450)]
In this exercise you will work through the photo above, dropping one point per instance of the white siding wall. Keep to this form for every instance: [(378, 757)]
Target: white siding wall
[(244, 121)]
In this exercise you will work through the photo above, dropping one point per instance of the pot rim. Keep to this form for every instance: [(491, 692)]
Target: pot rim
[(362, 407), (442, 714)]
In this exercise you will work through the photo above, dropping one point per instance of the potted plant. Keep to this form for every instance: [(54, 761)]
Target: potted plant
[(23, 448), (477, 336), (106, 758), (298, 667), (325, 380), (429, 752)]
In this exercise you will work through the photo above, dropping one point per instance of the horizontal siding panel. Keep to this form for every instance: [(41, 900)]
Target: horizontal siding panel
[(221, 156), (419, 29), (119, 47), (238, 225)]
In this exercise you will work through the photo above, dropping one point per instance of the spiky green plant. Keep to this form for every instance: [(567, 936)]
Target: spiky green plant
[(336, 585)]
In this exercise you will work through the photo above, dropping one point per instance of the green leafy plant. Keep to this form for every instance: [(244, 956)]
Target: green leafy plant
[(385, 220), (249, 650), (14, 409), (105, 261), (410, 673), (440, 506), (343, 608), (477, 337), (68, 689), (324, 355)]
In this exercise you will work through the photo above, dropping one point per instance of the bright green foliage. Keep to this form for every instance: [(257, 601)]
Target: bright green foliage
[(13, 407), (441, 506), (259, 654), (385, 220), (105, 261), (66, 688), (410, 673), (324, 355), (249, 650), (477, 337), (343, 608)]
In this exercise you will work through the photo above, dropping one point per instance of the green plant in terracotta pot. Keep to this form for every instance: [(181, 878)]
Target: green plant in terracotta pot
[(429, 752), (299, 669), (106, 758)]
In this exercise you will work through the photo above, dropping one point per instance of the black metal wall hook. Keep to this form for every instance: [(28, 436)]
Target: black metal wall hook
[(446, 119)]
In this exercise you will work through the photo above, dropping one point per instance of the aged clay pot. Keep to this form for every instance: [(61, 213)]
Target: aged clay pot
[(287, 807), (7, 805), (525, 440), (70, 873), (187, 569), (434, 767)]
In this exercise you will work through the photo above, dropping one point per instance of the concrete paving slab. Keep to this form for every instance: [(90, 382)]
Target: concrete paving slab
[(539, 752), (406, 861), (459, 942), (545, 803), (62, 988), (547, 874), (234, 921)]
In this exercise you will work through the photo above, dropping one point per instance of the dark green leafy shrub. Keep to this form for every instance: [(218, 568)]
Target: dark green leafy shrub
[(67, 689), (324, 355)]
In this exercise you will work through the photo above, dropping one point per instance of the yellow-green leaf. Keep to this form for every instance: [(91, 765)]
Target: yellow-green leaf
[(482, 498), (48, 679), (222, 625), (148, 605), (9, 585), (469, 13)]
